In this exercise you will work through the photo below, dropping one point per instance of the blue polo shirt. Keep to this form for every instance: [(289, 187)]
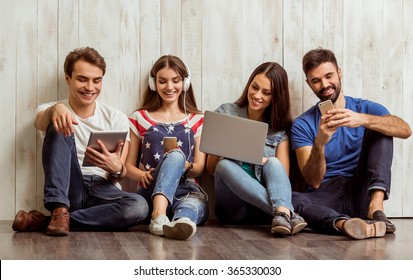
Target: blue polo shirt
[(343, 151)]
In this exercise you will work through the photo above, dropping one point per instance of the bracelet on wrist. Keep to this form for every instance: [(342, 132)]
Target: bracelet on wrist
[(190, 168)]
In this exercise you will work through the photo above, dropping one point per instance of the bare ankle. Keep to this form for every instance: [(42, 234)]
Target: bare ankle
[(376, 202), (157, 214)]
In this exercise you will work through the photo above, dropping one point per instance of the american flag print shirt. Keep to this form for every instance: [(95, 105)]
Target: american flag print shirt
[(152, 133)]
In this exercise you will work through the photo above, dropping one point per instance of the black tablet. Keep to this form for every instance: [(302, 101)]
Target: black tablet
[(110, 139)]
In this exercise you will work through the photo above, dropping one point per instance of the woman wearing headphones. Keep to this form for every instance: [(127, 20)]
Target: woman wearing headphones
[(256, 194), (164, 156)]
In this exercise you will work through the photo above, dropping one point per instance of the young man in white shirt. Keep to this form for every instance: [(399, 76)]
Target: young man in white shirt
[(86, 197)]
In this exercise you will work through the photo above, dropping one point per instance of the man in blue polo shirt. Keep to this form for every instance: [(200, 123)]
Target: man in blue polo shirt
[(345, 156)]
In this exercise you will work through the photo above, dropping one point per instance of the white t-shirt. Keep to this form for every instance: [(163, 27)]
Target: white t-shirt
[(105, 118)]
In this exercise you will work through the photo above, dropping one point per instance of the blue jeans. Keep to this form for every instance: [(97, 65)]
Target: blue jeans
[(242, 199), (345, 197), (185, 197), (94, 203)]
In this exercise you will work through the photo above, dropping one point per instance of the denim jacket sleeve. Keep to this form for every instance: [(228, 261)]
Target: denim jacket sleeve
[(270, 150), (233, 110)]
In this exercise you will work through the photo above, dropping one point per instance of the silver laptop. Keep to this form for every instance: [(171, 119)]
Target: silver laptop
[(233, 137)]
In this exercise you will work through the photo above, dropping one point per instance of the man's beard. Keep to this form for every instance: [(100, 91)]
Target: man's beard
[(332, 97)]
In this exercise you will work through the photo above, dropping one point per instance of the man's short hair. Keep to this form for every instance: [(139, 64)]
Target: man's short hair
[(87, 54), (314, 58)]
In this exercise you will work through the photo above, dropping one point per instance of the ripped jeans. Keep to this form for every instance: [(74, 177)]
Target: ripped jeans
[(185, 197), (240, 199)]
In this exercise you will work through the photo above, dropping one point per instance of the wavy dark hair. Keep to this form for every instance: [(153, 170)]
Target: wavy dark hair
[(90, 55), (152, 101), (278, 114)]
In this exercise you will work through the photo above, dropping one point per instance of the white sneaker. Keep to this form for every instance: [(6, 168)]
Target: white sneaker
[(182, 229), (156, 226)]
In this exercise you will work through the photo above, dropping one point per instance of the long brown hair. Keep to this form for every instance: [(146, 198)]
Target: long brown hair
[(152, 101), (278, 114)]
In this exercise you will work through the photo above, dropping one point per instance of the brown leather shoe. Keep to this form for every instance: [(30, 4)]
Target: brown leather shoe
[(380, 216), (32, 221), (359, 229), (59, 225)]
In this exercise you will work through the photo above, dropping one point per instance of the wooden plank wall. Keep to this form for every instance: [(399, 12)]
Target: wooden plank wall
[(221, 41)]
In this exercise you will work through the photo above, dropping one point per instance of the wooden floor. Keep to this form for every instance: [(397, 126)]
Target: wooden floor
[(211, 242)]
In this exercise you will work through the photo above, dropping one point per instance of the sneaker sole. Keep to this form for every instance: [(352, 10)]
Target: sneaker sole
[(279, 230), (179, 230), (299, 227), (156, 232), (358, 229)]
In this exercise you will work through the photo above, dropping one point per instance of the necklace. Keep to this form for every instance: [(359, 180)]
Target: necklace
[(169, 127)]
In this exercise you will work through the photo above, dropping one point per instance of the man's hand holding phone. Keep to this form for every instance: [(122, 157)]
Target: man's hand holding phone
[(325, 130), (325, 106)]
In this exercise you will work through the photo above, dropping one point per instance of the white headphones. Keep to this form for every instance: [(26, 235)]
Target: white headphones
[(186, 82)]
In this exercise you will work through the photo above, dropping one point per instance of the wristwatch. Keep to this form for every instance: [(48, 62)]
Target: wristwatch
[(117, 174)]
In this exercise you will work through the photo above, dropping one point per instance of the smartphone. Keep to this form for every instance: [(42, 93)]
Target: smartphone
[(169, 143), (325, 106)]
